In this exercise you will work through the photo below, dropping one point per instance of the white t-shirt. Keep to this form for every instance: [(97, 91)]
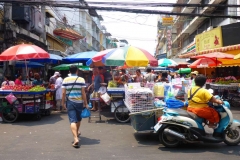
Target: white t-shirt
[(150, 77)]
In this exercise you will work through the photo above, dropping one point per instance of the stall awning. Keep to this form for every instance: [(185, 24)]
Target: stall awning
[(49, 14), (221, 49)]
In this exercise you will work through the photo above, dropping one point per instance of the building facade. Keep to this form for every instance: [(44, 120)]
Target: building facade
[(186, 28)]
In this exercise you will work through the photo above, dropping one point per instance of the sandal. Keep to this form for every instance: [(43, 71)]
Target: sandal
[(75, 144), (93, 110)]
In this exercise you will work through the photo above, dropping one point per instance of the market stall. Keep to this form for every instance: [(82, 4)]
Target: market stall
[(128, 56), (23, 100)]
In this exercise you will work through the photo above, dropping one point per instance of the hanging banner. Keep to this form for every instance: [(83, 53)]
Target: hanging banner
[(209, 40), (167, 21)]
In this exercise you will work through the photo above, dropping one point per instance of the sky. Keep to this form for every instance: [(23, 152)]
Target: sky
[(140, 30)]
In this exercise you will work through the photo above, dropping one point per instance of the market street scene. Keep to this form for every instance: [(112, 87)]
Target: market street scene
[(94, 79)]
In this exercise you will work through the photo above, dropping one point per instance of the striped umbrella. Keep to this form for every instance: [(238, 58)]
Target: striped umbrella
[(128, 55)]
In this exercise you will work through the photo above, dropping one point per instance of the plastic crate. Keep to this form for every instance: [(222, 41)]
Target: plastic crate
[(31, 109), (143, 121)]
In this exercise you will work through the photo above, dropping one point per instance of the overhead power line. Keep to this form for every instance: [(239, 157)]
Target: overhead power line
[(74, 4)]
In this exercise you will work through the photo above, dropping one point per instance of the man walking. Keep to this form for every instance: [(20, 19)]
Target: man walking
[(73, 93)]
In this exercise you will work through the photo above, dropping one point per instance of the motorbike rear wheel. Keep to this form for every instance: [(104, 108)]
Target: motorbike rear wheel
[(232, 137), (167, 140)]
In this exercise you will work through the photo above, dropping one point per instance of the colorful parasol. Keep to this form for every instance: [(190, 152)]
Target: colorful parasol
[(23, 52), (215, 55), (129, 55), (165, 62), (97, 59), (205, 62)]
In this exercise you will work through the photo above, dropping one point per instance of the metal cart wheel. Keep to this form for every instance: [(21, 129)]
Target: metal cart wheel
[(121, 115), (10, 114)]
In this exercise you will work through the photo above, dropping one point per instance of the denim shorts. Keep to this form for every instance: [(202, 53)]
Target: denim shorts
[(74, 111)]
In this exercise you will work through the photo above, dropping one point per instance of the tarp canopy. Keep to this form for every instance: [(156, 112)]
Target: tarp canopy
[(184, 70)]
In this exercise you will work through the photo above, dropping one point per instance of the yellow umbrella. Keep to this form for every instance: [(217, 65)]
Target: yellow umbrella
[(237, 56)]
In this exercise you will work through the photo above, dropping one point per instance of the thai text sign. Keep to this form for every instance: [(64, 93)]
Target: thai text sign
[(167, 21), (209, 40)]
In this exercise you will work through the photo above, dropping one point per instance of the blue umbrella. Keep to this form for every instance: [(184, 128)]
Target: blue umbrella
[(53, 59), (79, 57), (21, 64)]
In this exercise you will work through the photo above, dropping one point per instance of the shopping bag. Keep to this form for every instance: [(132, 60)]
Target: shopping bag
[(106, 98), (11, 98), (85, 113)]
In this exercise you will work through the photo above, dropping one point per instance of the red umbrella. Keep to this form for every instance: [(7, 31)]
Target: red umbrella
[(23, 52), (204, 63), (217, 55)]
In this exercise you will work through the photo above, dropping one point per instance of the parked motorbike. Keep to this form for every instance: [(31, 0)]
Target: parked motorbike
[(178, 126)]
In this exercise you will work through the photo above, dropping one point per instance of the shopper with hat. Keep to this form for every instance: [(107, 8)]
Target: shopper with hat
[(53, 79), (193, 75)]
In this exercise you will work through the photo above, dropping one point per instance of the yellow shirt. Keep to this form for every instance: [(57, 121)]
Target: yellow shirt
[(202, 97)]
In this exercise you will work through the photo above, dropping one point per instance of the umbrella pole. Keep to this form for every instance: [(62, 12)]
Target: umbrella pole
[(26, 69)]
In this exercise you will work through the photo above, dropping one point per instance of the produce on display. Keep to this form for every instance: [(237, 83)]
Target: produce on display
[(17, 87), (112, 84), (226, 80), (37, 89)]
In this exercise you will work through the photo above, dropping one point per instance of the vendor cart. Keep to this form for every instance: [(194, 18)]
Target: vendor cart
[(121, 113), (27, 103), (140, 103)]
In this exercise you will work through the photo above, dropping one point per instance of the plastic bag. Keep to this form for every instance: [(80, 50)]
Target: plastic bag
[(11, 98), (85, 113), (106, 98), (174, 103)]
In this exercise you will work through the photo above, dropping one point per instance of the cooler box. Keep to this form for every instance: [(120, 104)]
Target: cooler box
[(143, 121)]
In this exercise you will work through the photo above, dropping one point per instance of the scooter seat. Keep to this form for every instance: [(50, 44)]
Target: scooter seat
[(182, 112), (192, 115)]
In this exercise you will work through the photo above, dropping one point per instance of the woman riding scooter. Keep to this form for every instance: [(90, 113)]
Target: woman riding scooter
[(198, 99)]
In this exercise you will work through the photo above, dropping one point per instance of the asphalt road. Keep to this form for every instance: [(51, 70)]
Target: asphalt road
[(50, 139)]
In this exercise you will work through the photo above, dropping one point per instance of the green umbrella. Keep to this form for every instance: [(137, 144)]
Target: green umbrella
[(184, 70), (67, 66)]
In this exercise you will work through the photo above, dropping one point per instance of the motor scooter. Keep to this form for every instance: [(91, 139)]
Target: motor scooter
[(177, 126)]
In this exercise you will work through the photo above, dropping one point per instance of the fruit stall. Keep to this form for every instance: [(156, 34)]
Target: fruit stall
[(117, 94), (23, 99)]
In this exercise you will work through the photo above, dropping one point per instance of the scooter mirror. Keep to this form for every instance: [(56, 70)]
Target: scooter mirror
[(210, 91)]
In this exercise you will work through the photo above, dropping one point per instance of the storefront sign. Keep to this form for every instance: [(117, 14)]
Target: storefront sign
[(209, 40), (66, 41), (191, 47), (161, 56), (167, 21)]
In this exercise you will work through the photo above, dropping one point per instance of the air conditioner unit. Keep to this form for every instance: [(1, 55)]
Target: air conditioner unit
[(209, 28)]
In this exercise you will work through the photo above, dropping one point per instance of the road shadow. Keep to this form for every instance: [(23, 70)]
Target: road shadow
[(204, 147), (147, 138), (113, 121), (29, 120), (88, 141)]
